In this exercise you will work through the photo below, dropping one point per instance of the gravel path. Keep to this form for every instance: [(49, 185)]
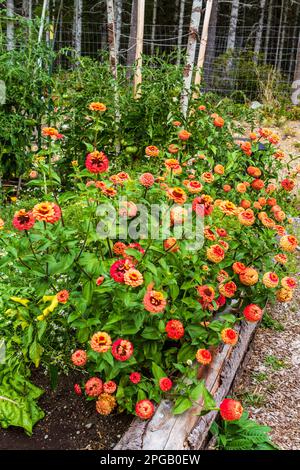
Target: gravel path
[(269, 384)]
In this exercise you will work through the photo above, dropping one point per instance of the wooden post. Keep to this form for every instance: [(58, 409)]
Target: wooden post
[(139, 48), (203, 43)]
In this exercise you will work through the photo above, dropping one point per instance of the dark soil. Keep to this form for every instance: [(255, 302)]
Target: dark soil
[(70, 421)]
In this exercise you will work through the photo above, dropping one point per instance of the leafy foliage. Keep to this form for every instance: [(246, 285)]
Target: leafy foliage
[(243, 434)]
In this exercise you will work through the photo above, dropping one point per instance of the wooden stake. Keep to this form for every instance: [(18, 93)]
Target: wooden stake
[(203, 43), (139, 49)]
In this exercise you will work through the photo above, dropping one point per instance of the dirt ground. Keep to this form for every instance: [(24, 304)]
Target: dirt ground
[(70, 422)]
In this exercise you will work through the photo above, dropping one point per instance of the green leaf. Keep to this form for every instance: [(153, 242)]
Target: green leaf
[(151, 333), (35, 353), (174, 290), (186, 352), (157, 372), (181, 405), (201, 390)]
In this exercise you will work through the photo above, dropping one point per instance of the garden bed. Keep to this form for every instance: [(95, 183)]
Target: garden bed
[(69, 423), (189, 430)]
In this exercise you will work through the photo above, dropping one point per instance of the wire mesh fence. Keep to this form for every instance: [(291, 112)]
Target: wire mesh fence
[(225, 71)]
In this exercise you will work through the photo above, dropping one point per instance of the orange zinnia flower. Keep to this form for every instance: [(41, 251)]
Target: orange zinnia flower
[(219, 169), (177, 194), (207, 177), (246, 148), (49, 132), (249, 277), (228, 207), (288, 282), (281, 258), (46, 212), (173, 164), (105, 404), (184, 135), (226, 188), (173, 148), (238, 267), (229, 336), (252, 313), (170, 244), (215, 253), (194, 187), (257, 184), (284, 295), (228, 289), (241, 188), (96, 106), (288, 243), (203, 356), (218, 121), (206, 293), (152, 151), (110, 192), (222, 275), (119, 248), (253, 171)]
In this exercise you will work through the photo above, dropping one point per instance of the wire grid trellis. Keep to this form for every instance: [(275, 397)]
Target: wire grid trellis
[(222, 72)]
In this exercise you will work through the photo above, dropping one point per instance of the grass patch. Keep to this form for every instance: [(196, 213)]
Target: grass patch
[(275, 363), (252, 399), (269, 322)]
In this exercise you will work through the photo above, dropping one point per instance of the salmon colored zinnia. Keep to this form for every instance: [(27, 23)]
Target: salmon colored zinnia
[(144, 409), (23, 220), (270, 280), (105, 404), (122, 349), (152, 151), (97, 162), (96, 106), (154, 300)]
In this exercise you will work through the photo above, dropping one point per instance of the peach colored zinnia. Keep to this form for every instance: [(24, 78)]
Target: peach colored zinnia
[(133, 277), (270, 280), (100, 342)]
